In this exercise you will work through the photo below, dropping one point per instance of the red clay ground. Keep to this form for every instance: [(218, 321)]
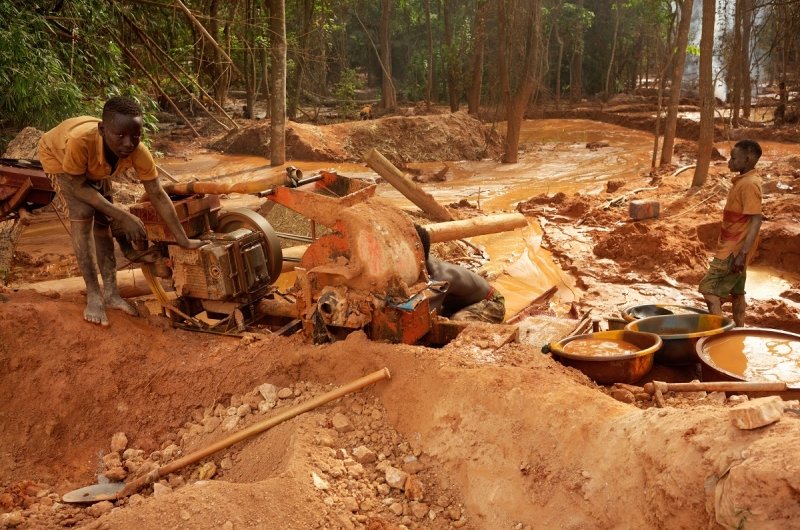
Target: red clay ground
[(518, 442)]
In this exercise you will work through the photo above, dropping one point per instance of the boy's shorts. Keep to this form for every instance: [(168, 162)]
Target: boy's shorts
[(720, 281), (491, 309), (75, 209)]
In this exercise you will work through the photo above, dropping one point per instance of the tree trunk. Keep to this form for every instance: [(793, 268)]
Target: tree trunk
[(429, 83), (576, 64), (747, 26), (277, 130), (296, 84), (250, 74), (706, 139), (517, 92), (389, 98), (616, 8), (678, 62), (476, 64), (451, 57), (735, 65), (560, 41)]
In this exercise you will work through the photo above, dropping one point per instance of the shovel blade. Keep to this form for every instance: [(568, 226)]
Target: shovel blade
[(94, 493)]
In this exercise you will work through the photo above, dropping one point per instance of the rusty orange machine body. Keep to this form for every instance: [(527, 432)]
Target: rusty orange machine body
[(367, 273)]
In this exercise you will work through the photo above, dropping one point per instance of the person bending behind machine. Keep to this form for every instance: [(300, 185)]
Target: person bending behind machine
[(81, 155), (469, 296), (741, 221)]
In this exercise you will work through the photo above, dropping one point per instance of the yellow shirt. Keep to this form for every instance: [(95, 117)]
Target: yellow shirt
[(744, 201), (75, 147)]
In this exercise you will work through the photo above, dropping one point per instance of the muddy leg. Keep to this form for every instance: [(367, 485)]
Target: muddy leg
[(739, 307), (714, 304), (84, 250), (107, 263)]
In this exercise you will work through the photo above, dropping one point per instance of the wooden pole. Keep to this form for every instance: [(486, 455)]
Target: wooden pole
[(476, 226), (406, 186), (189, 76), (716, 386), (207, 35), (153, 80), (218, 188)]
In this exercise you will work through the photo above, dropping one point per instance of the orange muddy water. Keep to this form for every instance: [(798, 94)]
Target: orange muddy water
[(758, 356), (600, 347)]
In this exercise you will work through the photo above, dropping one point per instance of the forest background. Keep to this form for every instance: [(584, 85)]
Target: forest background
[(318, 60)]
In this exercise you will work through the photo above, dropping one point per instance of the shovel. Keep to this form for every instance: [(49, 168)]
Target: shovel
[(116, 490)]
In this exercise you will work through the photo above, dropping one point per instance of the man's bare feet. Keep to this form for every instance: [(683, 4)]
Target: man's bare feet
[(95, 312), (117, 302)]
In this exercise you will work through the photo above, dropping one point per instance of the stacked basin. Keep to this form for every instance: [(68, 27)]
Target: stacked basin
[(680, 333)]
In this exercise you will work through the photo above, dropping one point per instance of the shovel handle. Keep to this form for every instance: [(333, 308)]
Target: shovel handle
[(716, 386), (135, 485), (217, 188)]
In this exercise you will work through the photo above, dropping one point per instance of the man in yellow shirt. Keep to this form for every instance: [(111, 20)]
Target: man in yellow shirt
[(738, 238), (81, 155)]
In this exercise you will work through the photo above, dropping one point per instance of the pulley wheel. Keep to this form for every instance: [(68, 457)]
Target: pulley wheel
[(231, 220)]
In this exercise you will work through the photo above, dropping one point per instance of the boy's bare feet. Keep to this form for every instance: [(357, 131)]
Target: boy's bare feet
[(95, 312), (117, 302)]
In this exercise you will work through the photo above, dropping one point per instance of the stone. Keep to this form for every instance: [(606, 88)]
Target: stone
[(264, 406), (644, 209), (226, 463), (350, 503), (159, 490), (268, 392), (757, 412), (396, 478), (396, 508), (130, 454), (621, 394), (364, 455), (319, 482), (341, 423), (243, 410), (419, 509), (355, 471), (207, 471), (119, 442), (285, 393), (231, 411), (324, 440), (738, 398), (454, 512), (13, 519), (116, 474), (100, 508), (230, 423), (211, 423), (170, 452), (415, 489), (717, 397), (227, 525), (112, 460), (383, 489)]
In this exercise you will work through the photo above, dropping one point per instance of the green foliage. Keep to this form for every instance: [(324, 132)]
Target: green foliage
[(693, 50), (345, 93), (38, 88)]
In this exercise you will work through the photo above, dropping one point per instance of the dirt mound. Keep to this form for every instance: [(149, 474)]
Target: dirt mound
[(423, 450), (401, 139), (780, 246), (775, 314), (25, 145), (654, 247)]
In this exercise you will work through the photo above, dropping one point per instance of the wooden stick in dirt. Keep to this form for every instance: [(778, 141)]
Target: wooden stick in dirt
[(476, 226), (257, 428), (406, 186), (715, 386)]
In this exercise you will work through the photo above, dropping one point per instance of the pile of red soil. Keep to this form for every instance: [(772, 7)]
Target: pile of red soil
[(436, 137)]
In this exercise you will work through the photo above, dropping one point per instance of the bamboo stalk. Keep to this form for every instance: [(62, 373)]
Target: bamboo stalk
[(141, 67), (207, 35)]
